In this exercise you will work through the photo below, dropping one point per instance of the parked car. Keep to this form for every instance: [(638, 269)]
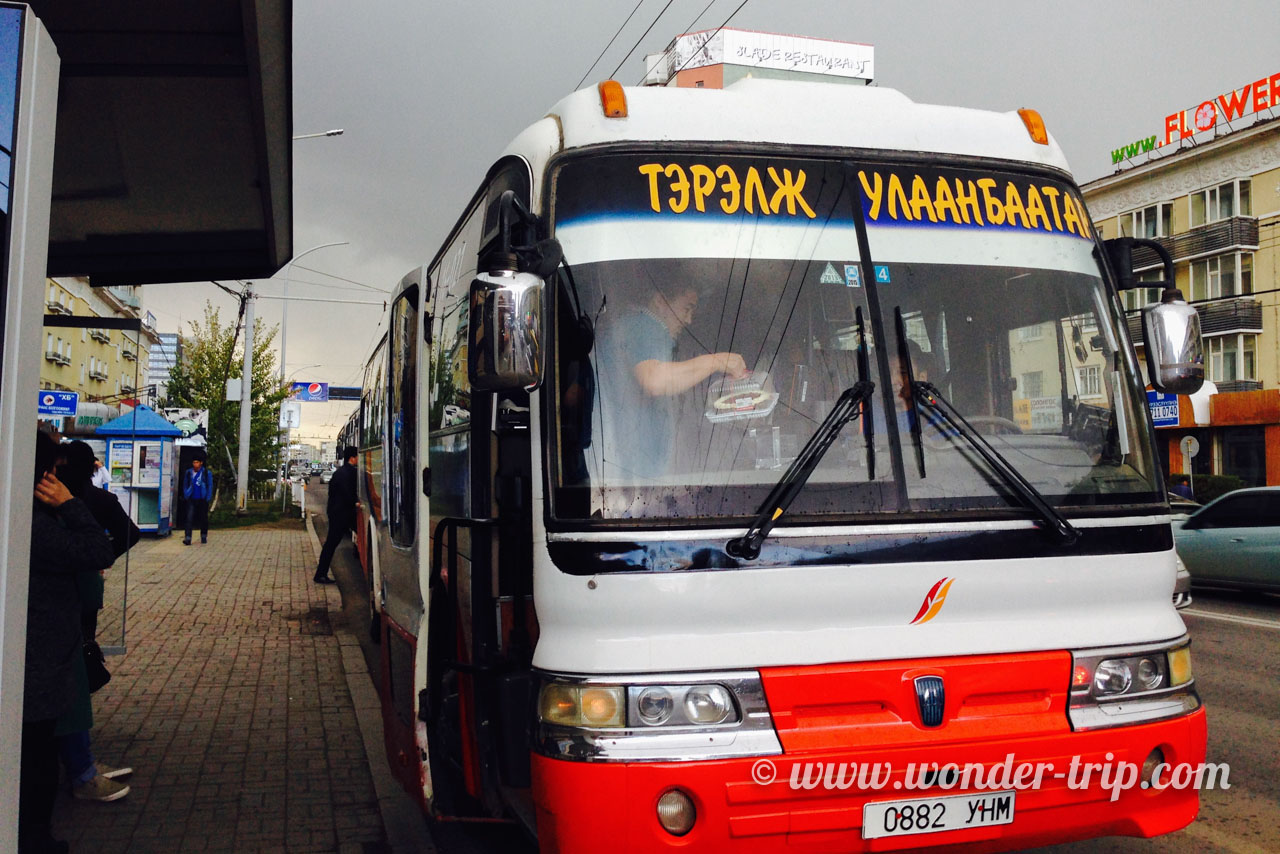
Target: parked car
[(1234, 540), (1182, 507), (326, 475)]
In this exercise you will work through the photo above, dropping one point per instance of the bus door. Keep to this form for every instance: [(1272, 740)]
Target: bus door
[(475, 701)]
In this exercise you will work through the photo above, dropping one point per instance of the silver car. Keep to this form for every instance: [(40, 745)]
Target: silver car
[(1234, 541)]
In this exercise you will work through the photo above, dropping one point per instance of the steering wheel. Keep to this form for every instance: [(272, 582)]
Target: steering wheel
[(996, 424)]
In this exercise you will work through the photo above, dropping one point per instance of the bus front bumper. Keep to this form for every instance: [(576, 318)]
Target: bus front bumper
[(758, 804)]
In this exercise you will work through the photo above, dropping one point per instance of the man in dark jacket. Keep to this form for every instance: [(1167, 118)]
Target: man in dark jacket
[(341, 511), (65, 540), (197, 489)]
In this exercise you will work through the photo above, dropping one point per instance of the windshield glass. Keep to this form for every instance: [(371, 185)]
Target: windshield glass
[(729, 297)]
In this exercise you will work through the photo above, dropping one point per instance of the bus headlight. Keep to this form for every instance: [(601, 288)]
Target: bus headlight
[(582, 705), (707, 704), (1122, 686), (655, 717), (654, 706)]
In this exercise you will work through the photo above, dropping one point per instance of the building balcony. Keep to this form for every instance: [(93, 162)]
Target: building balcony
[(99, 376), (56, 307), (100, 335), (1242, 314), (129, 354), (1220, 317), (1228, 235), (1238, 385)]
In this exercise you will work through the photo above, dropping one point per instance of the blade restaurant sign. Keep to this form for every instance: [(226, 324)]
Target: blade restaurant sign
[(1263, 94)]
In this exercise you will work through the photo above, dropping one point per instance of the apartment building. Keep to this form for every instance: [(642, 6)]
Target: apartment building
[(1210, 194), (103, 365)]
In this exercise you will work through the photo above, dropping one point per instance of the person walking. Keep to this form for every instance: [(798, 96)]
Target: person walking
[(197, 489), (65, 540), (341, 510)]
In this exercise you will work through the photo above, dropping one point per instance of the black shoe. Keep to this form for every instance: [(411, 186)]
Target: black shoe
[(324, 580), (204, 540), (186, 542)]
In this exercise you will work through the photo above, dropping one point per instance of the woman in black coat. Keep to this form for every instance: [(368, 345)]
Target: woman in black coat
[(65, 540)]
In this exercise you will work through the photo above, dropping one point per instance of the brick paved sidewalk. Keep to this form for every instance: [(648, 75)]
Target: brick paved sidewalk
[(232, 706)]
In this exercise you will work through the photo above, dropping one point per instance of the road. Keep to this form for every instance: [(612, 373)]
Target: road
[(1236, 658)]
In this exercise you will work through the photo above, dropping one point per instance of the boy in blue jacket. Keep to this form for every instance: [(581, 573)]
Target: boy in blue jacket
[(197, 489)]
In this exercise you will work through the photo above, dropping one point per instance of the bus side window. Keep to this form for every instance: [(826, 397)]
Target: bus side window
[(402, 404)]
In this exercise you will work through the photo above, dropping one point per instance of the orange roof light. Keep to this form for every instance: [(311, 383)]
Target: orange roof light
[(613, 100), (1035, 126)]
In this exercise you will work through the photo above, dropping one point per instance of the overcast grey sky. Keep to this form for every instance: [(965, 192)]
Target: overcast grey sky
[(429, 93)]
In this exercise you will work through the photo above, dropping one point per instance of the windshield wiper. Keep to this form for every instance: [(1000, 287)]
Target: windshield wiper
[(849, 406), (927, 394)]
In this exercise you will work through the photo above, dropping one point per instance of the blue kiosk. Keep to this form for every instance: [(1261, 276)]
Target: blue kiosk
[(140, 457)]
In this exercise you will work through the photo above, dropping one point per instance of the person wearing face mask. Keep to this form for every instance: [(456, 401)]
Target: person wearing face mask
[(65, 540)]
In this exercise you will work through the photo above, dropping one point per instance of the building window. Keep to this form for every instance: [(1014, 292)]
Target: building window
[(1221, 202), (1031, 333), (1151, 221), (1233, 357), (1139, 297), (1089, 381), (1033, 384), (1224, 276)]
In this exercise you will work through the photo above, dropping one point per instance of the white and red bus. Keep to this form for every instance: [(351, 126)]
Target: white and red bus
[(652, 567)]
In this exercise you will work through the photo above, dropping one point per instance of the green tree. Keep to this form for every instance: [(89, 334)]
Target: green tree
[(212, 354)]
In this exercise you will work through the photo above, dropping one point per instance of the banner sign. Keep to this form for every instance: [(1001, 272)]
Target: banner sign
[(311, 392), (1251, 98), (64, 403), (681, 188), (1164, 408)]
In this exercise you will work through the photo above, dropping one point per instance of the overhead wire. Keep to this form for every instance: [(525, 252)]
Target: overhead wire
[(642, 37), (610, 44), (688, 29), (714, 33)]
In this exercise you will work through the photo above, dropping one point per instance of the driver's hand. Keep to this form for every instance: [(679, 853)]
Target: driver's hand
[(733, 365)]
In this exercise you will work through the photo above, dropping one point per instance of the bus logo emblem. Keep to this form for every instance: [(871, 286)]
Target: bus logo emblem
[(933, 601), (931, 695)]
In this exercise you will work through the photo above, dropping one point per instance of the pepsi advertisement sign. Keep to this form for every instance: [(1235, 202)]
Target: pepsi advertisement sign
[(311, 392)]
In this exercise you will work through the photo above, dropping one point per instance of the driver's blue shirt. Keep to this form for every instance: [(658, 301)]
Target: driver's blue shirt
[(639, 428)]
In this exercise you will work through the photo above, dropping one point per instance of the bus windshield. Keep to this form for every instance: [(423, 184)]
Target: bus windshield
[(730, 296)]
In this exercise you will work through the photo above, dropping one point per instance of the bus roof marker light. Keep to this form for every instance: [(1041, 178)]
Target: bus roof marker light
[(613, 100), (1035, 126)]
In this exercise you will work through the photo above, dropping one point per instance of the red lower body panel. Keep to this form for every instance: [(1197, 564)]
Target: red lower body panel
[(824, 715)]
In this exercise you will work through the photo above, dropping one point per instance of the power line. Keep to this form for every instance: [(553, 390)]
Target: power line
[(688, 29), (642, 37), (713, 35), (611, 41), (340, 278)]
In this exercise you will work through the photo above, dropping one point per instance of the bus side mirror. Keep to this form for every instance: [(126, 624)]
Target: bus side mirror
[(1170, 328), (1175, 350), (504, 331)]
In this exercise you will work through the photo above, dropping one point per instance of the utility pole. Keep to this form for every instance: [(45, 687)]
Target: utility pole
[(246, 404)]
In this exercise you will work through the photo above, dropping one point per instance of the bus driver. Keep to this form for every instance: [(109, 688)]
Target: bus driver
[(640, 379)]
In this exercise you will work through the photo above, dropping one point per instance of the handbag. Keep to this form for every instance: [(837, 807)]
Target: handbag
[(95, 666)]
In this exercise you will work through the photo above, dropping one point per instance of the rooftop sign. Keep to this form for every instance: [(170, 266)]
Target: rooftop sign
[(1254, 97), (768, 50)]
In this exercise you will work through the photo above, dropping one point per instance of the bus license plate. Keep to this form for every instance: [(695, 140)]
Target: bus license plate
[(934, 815)]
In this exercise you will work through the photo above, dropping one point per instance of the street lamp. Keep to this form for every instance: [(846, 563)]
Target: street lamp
[(284, 312)]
